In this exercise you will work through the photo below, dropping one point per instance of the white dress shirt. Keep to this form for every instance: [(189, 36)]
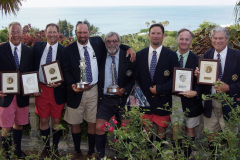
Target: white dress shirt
[(93, 60), (150, 54), (44, 58)]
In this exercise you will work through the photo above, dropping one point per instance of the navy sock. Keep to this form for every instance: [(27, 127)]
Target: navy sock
[(17, 138), (100, 145), (77, 141), (45, 135), (56, 138), (91, 143)]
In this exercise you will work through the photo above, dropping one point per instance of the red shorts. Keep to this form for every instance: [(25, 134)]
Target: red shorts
[(46, 105), (159, 120), (13, 115)]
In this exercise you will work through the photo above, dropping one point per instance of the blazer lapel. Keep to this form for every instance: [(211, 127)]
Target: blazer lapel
[(145, 61), (8, 53), (227, 66), (189, 60)]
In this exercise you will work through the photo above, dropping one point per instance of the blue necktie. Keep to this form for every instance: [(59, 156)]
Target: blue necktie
[(115, 69), (153, 63), (220, 67), (49, 56), (16, 58), (181, 61), (88, 65)]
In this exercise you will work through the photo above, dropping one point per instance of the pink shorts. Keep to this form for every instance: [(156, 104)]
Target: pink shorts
[(159, 120), (13, 115), (46, 105)]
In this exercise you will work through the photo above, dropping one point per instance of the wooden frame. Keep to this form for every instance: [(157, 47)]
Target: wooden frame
[(30, 83), (52, 72), (182, 79), (209, 69), (10, 82)]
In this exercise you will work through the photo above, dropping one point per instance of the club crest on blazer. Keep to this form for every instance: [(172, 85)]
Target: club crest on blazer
[(166, 73)]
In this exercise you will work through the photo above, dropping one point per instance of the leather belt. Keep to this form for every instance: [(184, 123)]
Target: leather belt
[(111, 96)]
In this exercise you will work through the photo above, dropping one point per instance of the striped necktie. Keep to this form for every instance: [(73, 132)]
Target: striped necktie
[(49, 55), (153, 64), (15, 56), (220, 67), (88, 65)]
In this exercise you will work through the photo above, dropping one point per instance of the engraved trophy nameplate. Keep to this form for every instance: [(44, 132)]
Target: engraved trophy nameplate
[(83, 84), (113, 88)]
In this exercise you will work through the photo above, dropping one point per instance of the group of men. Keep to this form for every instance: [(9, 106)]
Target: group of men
[(107, 60)]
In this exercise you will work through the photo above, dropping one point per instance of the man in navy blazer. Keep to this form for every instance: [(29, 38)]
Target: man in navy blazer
[(53, 97), (111, 104), (187, 105), (82, 104), (215, 112), (14, 112), (154, 74)]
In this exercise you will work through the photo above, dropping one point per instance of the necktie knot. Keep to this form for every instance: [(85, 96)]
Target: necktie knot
[(218, 55), (15, 49), (154, 52), (85, 47)]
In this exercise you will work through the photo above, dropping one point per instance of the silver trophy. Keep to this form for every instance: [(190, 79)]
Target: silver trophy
[(83, 84), (113, 88)]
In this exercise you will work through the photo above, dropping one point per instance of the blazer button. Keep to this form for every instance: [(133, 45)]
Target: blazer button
[(100, 98), (102, 88)]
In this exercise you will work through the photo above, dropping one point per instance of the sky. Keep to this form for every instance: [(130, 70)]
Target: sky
[(97, 3)]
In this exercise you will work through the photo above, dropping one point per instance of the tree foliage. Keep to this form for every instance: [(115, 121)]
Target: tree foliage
[(10, 6), (65, 28)]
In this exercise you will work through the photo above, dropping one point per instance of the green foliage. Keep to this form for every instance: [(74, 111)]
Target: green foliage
[(3, 34), (65, 28), (205, 24), (94, 30), (10, 6), (170, 42)]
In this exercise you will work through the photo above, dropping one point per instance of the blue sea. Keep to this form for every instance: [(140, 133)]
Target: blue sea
[(125, 20)]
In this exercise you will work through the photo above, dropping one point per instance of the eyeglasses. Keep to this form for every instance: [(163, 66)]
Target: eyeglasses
[(114, 41)]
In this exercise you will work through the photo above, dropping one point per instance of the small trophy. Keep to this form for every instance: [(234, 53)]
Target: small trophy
[(83, 84), (113, 88)]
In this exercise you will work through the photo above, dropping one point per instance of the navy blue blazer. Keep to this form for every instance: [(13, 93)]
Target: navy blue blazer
[(231, 76), (71, 70), (126, 76), (60, 92), (161, 103), (7, 63), (194, 105)]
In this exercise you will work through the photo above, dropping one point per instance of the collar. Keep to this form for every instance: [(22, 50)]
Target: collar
[(223, 53), (185, 55), (80, 46), (54, 47), (116, 55), (13, 46), (159, 49)]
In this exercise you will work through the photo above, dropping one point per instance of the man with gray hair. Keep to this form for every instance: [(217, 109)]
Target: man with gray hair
[(215, 112), (118, 70), (14, 112)]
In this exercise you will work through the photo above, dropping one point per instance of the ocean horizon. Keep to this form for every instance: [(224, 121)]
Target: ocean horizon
[(125, 20)]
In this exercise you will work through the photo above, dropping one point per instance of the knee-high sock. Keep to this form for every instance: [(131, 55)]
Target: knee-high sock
[(45, 134), (91, 143), (17, 138), (56, 138), (77, 141), (100, 145)]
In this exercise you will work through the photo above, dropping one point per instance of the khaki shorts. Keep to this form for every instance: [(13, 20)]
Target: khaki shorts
[(215, 122), (178, 118), (87, 109)]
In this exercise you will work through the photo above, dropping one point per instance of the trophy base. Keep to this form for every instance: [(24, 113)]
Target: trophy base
[(113, 89), (83, 85)]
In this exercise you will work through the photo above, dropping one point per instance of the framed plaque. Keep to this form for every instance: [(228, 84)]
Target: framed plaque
[(182, 79), (208, 69), (30, 83), (52, 72), (10, 82)]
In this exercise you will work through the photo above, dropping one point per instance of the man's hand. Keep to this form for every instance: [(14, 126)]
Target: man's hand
[(77, 90), (196, 72), (221, 87), (153, 89), (189, 94), (53, 85), (2, 94), (132, 54), (121, 92)]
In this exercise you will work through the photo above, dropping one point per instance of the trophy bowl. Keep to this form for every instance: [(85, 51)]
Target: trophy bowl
[(83, 85), (113, 89)]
